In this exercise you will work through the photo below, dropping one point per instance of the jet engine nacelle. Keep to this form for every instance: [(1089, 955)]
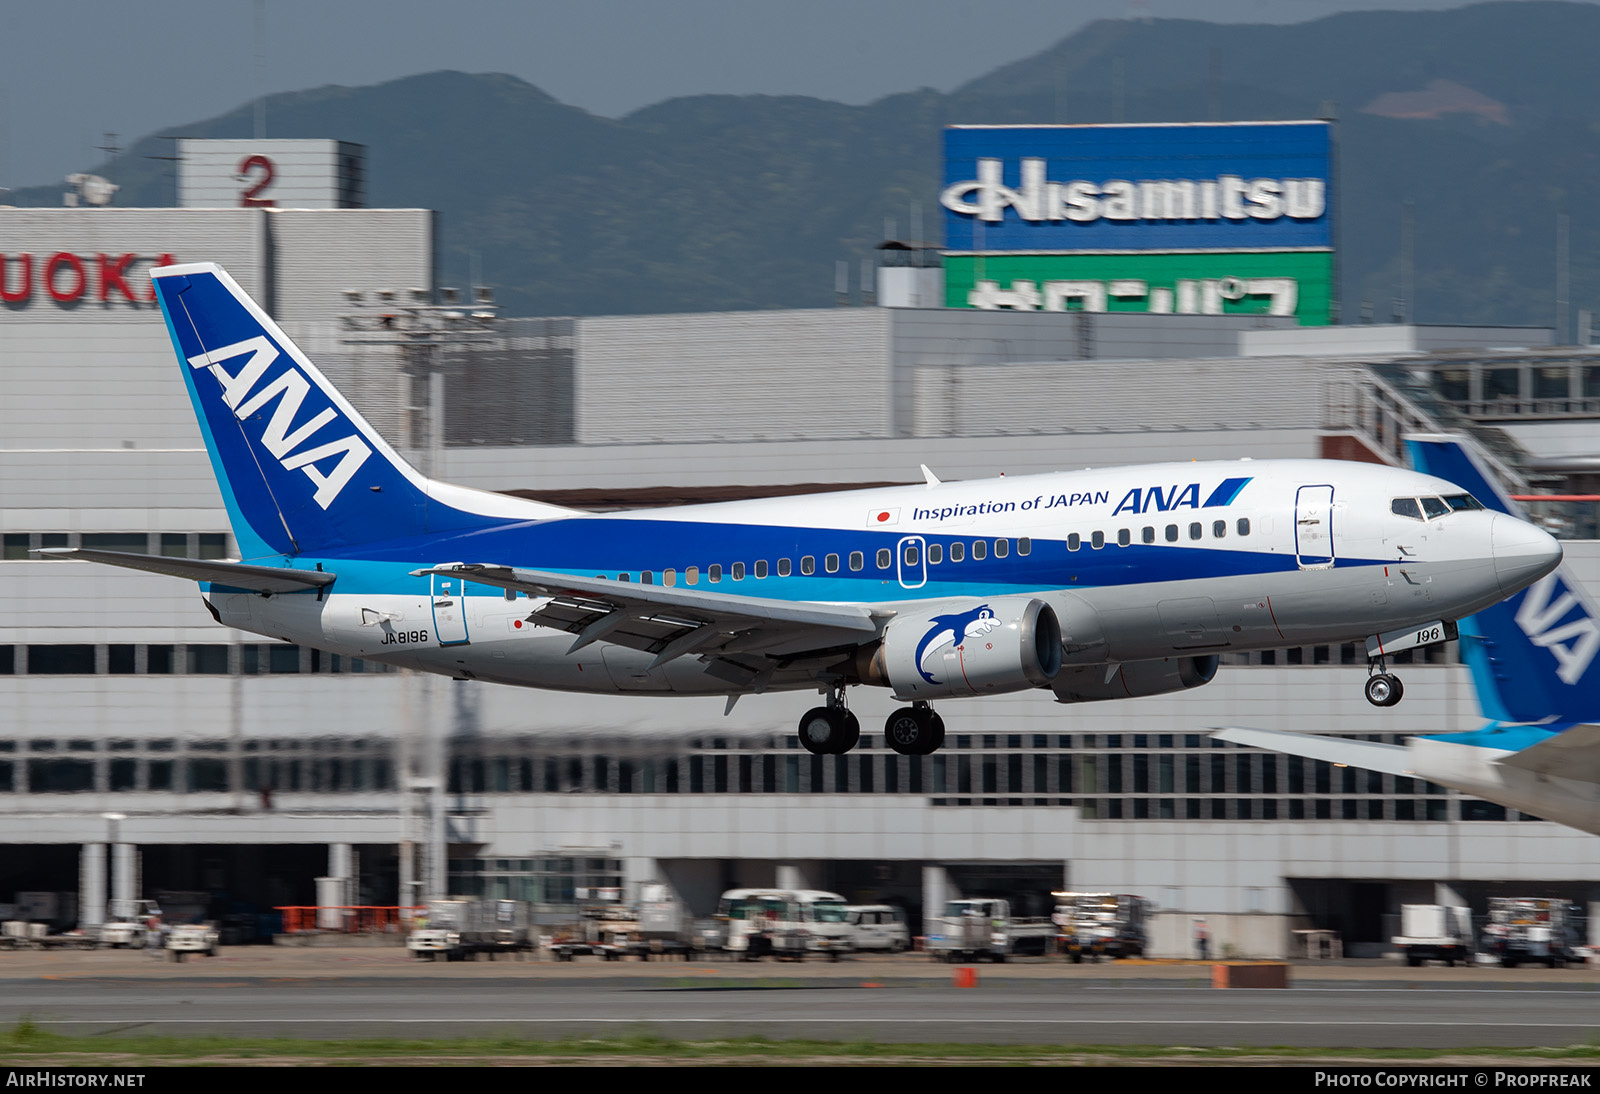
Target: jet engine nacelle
[(1089, 683), (959, 648)]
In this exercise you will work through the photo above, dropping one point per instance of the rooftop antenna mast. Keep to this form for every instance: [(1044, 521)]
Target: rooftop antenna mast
[(261, 68)]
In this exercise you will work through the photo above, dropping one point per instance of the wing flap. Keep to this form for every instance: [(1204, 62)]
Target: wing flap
[(1571, 754), (671, 621), (1392, 759), (848, 617), (235, 575)]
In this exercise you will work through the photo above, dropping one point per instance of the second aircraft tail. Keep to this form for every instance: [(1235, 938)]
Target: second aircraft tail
[(1532, 656)]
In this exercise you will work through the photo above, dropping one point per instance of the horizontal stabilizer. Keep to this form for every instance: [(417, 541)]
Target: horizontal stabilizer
[(235, 575), (1571, 754), (1393, 759)]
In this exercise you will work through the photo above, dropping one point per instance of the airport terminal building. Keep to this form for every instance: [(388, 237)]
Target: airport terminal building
[(146, 749)]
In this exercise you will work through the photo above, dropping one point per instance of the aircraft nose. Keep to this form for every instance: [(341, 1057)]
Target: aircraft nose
[(1522, 553)]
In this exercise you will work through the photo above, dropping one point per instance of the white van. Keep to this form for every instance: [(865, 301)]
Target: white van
[(878, 927)]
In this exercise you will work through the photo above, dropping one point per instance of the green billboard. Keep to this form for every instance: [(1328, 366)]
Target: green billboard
[(1297, 283)]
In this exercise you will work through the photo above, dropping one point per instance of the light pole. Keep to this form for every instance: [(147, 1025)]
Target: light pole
[(421, 329)]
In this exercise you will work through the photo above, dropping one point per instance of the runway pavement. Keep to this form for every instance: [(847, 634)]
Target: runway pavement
[(338, 993)]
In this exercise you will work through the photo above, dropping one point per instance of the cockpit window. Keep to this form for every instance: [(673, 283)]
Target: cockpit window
[(1406, 507), (1434, 507), (1462, 502)]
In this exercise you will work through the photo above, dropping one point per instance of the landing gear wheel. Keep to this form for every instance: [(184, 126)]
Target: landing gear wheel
[(829, 731), (1384, 690), (914, 731)]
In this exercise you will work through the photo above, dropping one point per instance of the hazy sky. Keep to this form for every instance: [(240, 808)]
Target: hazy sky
[(72, 71)]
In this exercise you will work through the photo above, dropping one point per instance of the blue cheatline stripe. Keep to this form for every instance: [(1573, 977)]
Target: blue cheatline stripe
[(1226, 491), (608, 547)]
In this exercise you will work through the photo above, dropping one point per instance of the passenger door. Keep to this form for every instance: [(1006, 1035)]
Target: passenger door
[(1313, 527)]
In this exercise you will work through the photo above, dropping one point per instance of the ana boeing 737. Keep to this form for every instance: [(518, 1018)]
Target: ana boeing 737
[(1532, 659), (1088, 585)]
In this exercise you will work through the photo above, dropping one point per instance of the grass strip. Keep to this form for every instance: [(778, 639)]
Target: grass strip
[(26, 1043)]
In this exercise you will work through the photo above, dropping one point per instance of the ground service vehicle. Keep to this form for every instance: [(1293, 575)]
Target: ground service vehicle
[(1434, 932), (126, 928), (782, 923), (1530, 930), (878, 927), (1096, 925), (984, 929), (462, 929), (1089, 585), (187, 938)]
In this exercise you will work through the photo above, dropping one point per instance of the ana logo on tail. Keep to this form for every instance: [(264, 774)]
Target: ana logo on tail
[(1575, 642), (245, 398)]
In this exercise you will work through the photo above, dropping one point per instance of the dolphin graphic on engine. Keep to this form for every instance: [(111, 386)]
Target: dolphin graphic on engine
[(954, 629)]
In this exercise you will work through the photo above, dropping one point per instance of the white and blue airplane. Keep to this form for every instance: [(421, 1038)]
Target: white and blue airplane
[(1099, 584), (1532, 659)]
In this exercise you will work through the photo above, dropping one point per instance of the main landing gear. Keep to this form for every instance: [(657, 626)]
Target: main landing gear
[(914, 730), (832, 730), (1383, 689)]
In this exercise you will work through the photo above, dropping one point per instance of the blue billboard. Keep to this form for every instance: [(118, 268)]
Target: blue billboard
[(1218, 186)]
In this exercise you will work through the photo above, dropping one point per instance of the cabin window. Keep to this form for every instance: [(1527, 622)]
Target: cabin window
[(1124, 537), (808, 565), (1406, 507), (832, 564), (1002, 548), (912, 555), (935, 554), (857, 560), (783, 567), (669, 577), (1219, 528), (1148, 535), (1196, 530), (980, 550), (1172, 533), (761, 568), (958, 551), (691, 575), (1243, 526), (1024, 546), (624, 577), (1074, 541), (647, 578), (737, 571), (1097, 540), (714, 572), (885, 558), (1434, 507)]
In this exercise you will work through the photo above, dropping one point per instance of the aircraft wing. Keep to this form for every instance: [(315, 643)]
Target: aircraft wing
[(1392, 759), (1573, 753), (671, 621), (235, 575)]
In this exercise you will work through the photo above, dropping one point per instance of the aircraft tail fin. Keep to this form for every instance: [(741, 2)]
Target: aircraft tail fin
[(1532, 656), (300, 469)]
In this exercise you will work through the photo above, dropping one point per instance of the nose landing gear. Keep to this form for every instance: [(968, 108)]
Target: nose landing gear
[(1383, 689), (830, 730)]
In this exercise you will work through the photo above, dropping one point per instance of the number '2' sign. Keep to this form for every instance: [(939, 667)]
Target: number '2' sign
[(258, 170)]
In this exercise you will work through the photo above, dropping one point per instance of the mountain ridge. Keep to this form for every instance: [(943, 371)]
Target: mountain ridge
[(723, 202)]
